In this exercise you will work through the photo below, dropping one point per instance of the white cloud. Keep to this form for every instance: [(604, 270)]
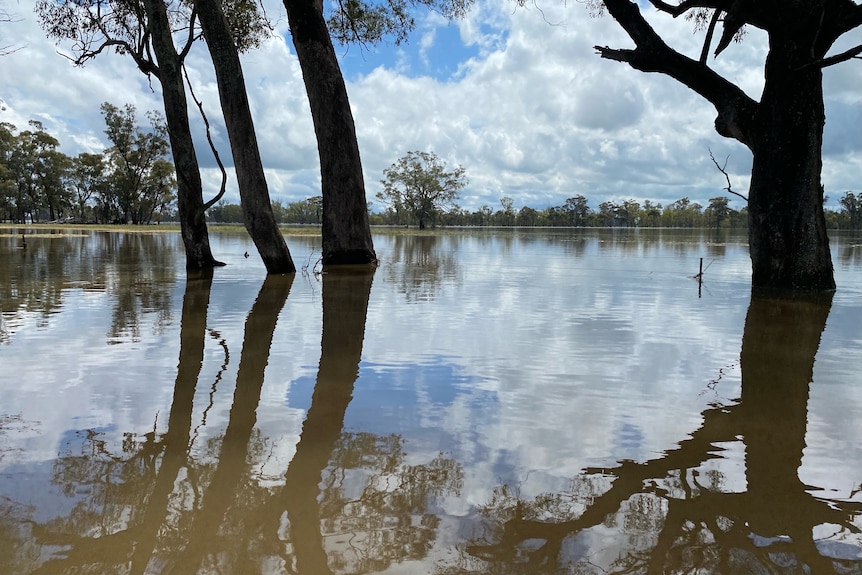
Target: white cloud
[(531, 112)]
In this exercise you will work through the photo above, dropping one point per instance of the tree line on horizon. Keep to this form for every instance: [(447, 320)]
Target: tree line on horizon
[(573, 213), (133, 181)]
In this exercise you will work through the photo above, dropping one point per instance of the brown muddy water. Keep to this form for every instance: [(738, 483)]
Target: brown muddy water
[(485, 402)]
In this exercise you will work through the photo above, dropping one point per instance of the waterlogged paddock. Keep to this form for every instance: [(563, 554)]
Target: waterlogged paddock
[(485, 402)]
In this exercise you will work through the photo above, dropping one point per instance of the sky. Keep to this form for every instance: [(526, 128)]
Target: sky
[(517, 96)]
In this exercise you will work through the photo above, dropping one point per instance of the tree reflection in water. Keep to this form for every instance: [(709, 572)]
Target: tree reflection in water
[(153, 509), (669, 515)]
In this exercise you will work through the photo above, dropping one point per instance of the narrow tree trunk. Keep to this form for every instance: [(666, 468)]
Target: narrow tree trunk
[(346, 231), (787, 230), (190, 203), (254, 195)]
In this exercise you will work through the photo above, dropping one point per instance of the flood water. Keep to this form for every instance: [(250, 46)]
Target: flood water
[(520, 402)]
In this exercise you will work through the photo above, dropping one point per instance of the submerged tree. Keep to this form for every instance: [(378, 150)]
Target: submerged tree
[(784, 130), (419, 186), (345, 227), (144, 30), (256, 206)]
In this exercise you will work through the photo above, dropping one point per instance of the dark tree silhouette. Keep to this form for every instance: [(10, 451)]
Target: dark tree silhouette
[(784, 130)]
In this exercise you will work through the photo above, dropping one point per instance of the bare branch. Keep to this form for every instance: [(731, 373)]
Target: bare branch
[(200, 106), (851, 54), (721, 169)]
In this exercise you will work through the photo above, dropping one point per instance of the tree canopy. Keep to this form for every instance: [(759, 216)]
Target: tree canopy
[(419, 185)]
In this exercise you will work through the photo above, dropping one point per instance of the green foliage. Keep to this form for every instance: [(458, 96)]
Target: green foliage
[(418, 186), (851, 210), (370, 22), (94, 26), (142, 179), (32, 174)]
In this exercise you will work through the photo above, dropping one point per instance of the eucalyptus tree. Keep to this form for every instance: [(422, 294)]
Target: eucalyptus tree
[(126, 27), (345, 229), (146, 31), (136, 163), (87, 179), (256, 207), (32, 172), (784, 129), (419, 185)]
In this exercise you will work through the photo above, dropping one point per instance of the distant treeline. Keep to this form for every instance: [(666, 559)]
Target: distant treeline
[(574, 212)]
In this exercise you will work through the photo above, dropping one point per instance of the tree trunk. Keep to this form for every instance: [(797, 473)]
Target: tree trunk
[(254, 195), (787, 230), (190, 203), (346, 231)]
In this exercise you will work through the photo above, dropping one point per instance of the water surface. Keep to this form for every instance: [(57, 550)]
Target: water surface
[(519, 401)]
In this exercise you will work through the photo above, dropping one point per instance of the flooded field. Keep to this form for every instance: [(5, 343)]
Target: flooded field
[(509, 401)]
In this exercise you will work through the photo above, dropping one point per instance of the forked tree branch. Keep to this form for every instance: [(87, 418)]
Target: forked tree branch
[(722, 169), (200, 106)]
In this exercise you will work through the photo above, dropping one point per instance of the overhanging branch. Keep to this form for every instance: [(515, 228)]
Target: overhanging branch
[(651, 54)]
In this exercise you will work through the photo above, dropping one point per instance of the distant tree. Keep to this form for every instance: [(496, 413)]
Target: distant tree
[(651, 214), (528, 216), (577, 210), (608, 213), (784, 130), (506, 215), (851, 206), (629, 214), (717, 212), (137, 166), (33, 173), (682, 213), (419, 185), (305, 211), (87, 180)]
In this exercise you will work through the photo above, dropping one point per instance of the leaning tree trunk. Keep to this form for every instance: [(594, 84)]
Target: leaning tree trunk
[(190, 202), (787, 229), (254, 194), (346, 231)]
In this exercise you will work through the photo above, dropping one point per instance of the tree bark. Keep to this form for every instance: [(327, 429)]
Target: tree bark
[(788, 244), (254, 194), (345, 229), (190, 203)]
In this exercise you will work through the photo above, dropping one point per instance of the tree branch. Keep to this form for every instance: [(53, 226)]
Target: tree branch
[(686, 5), (223, 187), (707, 42), (852, 53), (735, 108), (726, 176)]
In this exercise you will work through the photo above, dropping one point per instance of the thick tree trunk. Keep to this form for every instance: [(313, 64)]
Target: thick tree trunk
[(190, 203), (254, 194), (346, 231), (787, 230)]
